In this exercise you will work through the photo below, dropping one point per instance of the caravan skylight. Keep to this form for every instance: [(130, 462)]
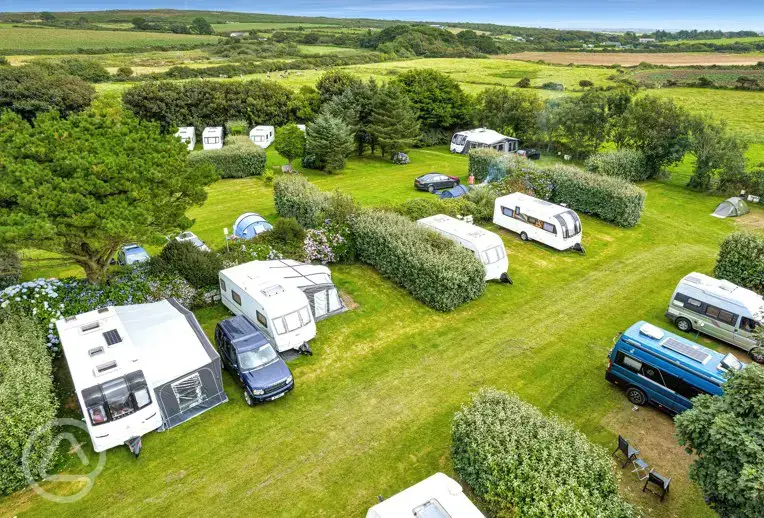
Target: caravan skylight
[(649, 330), (272, 290)]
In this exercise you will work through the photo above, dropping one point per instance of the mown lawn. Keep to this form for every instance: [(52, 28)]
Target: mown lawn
[(371, 411)]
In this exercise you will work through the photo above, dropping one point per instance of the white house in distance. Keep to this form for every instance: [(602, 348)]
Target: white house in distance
[(463, 141), (187, 135), (437, 496), (262, 136), (212, 137)]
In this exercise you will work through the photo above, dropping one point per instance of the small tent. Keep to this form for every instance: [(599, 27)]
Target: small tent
[(731, 208), (454, 192), (249, 225)]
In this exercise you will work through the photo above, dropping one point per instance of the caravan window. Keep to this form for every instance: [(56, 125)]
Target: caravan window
[(236, 297), (96, 405), (493, 255), (459, 140), (139, 388), (222, 285), (261, 318), (118, 399), (305, 315), (549, 228), (212, 140), (188, 391), (292, 321), (508, 212)]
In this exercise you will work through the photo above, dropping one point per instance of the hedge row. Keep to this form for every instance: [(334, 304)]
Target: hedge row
[(521, 463), (295, 197), (239, 158), (741, 260), (434, 270), (628, 164), (10, 268)]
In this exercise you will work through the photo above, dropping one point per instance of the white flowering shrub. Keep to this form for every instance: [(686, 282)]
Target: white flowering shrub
[(401, 158), (320, 245), (522, 463)]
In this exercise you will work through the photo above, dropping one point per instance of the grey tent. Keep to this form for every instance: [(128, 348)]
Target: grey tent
[(731, 208), (454, 192), (179, 362)]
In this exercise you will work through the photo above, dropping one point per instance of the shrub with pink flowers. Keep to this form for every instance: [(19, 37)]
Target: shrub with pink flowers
[(328, 244)]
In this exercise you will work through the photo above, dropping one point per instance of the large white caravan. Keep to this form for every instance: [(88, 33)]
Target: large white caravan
[(280, 310), (262, 136), (718, 308), (463, 141), (438, 496), (487, 246), (187, 135), (539, 220), (212, 137)]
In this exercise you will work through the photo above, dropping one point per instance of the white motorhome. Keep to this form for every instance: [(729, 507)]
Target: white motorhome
[(463, 141), (487, 246), (187, 135), (212, 137), (718, 308), (281, 311), (262, 136), (438, 496), (539, 220)]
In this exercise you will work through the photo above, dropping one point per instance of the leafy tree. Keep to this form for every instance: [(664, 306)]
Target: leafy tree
[(355, 106), (512, 112), (139, 23), (583, 123), (47, 17), (305, 103), (717, 152), (439, 100), (334, 82), (4, 62), (180, 28), (87, 70), (201, 26), (30, 90), (393, 120), (585, 83), (656, 127), (290, 142), (84, 186), (328, 141), (726, 435), (523, 83), (124, 72)]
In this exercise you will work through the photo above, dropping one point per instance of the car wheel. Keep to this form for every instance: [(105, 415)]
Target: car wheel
[(636, 396), (523, 236), (430, 189), (248, 398), (683, 324), (757, 354)]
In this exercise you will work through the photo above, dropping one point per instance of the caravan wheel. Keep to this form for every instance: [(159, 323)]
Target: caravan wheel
[(684, 325), (248, 398), (523, 236)]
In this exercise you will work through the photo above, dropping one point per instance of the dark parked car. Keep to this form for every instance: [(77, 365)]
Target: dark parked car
[(529, 153), (252, 361), (435, 181)]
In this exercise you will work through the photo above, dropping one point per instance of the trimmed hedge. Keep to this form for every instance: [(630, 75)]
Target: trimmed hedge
[(418, 208), (481, 161), (295, 197), (436, 271), (26, 400), (239, 158), (519, 462), (741, 260), (628, 164), (10, 268)]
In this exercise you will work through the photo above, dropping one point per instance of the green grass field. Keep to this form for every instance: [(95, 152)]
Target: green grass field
[(718, 41), (253, 26), (371, 410)]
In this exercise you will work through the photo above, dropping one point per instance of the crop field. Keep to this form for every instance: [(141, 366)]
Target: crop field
[(371, 410), (721, 77), (634, 58), (717, 41)]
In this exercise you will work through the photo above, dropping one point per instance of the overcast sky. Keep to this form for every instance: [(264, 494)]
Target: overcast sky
[(602, 14)]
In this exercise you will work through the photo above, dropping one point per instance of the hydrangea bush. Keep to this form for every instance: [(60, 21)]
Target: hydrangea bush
[(327, 244), (401, 158)]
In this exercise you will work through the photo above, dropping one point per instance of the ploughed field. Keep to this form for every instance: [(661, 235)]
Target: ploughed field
[(371, 411)]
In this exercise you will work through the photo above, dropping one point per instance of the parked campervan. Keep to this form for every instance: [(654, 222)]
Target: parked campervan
[(280, 310), (539, 220), (187, 135), (664, 369), (438, 496), (487, 246), (720, 309), (262, 136), (463, 141), (212, 137)]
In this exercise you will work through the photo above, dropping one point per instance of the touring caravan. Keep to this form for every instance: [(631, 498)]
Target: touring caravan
[(262, 136), (539, 220), (280, 310), (463, 141), (212, 138), (187, 135), (487, 246), (718, 308), (436, 496)]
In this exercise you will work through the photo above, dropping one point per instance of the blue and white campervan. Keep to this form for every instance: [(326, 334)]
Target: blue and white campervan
[(664, 369)]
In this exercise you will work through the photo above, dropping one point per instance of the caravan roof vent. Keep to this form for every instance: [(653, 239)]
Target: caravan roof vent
[(70, 319), (693, 279), (95, 351), (272, 290), (651, 331), (90, 327), (112, 337), (727, 286), (104, 368), (103, 310), (694, 353)]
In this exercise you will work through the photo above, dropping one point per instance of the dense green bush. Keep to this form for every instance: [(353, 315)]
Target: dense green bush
[(482, 161), (436, 271), (741, 260), (295, 197), (522, 463), (199, 268), (26, 400), (239, 158), (10, 268), (418, 208), (628, 164)]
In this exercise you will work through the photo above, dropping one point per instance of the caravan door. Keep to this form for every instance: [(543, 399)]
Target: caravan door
[(320, 304)]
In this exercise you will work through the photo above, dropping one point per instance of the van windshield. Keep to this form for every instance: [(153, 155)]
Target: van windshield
[(256, 358)]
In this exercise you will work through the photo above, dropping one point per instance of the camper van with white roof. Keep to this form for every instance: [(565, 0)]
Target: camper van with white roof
[(463, 141), (262, 136), (539, 220), (187, 135), (720, 309), (487, 246), (280, 310), (212, 137)]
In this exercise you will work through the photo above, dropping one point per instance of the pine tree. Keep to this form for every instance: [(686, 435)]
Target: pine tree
[(394, 122), (329, 140)]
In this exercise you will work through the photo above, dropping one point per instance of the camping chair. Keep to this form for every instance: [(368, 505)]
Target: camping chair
[(657, 480), (640, 468), (629, 452)]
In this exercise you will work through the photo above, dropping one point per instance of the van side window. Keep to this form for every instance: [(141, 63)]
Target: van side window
[(681, 387), (690, 304), (508, 212), (653, 374), (236, 297), (628, 362), (261, 318), (721, 315), (747, 324)]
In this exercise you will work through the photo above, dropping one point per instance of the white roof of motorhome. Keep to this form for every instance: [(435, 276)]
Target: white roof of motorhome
[(185, 132), (485, 136), (535, 207), (727, 291), (435, 490), (212, 131), (260, 129), (482, 239), (256, 279)]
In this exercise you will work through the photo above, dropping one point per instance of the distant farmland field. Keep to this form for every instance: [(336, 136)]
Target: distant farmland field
[(720, 77), (718, 41), (253, 26), (631, 59)]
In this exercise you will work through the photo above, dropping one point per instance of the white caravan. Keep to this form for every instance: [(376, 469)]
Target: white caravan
[(463, 141), (262, 136), (187, 135), (718, 308), (280, 310), (212, 137), (487, 246), (438, 496), (539, 220)]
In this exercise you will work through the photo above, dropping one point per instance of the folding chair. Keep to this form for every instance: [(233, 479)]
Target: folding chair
[(628, 452), (658, 480), (640, 468)]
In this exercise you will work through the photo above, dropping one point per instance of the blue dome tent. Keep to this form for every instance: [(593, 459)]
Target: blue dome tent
[(454, 192), (249, 225)]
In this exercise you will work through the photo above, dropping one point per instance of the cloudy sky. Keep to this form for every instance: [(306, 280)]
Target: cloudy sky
[(613, 14)]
